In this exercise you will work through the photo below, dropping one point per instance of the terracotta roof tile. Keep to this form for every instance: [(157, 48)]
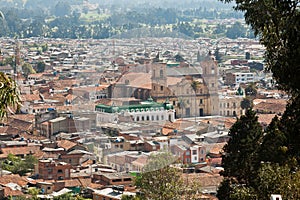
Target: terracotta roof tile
[(34, 150), (30, 97), (8, 192), (13, 178), (66, 144)]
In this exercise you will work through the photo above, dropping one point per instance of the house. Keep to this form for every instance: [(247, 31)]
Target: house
[(230, 103), (110, 194), (112, 179), (237, 78), (50, 169), (189, 155)]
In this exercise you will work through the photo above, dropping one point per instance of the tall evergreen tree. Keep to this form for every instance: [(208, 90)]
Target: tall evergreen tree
[(241, 159), (273, 148)]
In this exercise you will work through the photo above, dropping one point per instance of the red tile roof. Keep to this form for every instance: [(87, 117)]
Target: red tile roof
[(13, 178), (66, 144), (33, 150)]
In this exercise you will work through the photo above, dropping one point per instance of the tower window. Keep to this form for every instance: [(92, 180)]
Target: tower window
[(161, 88), (161, 73)]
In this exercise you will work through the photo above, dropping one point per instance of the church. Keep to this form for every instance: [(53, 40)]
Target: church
[(192, 90)]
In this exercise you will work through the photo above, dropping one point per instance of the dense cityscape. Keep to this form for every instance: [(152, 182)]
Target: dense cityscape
[(119, 100)]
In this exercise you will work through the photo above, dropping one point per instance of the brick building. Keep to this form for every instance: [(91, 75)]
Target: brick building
[(53, 170)]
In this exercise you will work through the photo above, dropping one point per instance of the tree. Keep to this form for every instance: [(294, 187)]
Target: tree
[(9, 95), (159, 180), (273, 148), (235, 31), (247, 56), (246, 104), (220, 28), (240, 157), (251, 90), (276, 179), (291, 127), (162, 181), (62, 8), (27, 69), (40, 67), (218, 55), (34, 192), (16, 165)]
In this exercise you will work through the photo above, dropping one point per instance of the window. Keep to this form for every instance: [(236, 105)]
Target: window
[(212, 85), (194, 152), (59, 171), (187, 153), (161, 73), (201, 101), (154, 87), (161, 88), (162, 117)]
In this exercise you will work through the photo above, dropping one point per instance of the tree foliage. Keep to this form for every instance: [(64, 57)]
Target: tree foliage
[(276, 23), (240, 158), (9, 95), (40, 67), (162, 181), (235, 31), (273, 147), (27, 69), (19, 166)]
